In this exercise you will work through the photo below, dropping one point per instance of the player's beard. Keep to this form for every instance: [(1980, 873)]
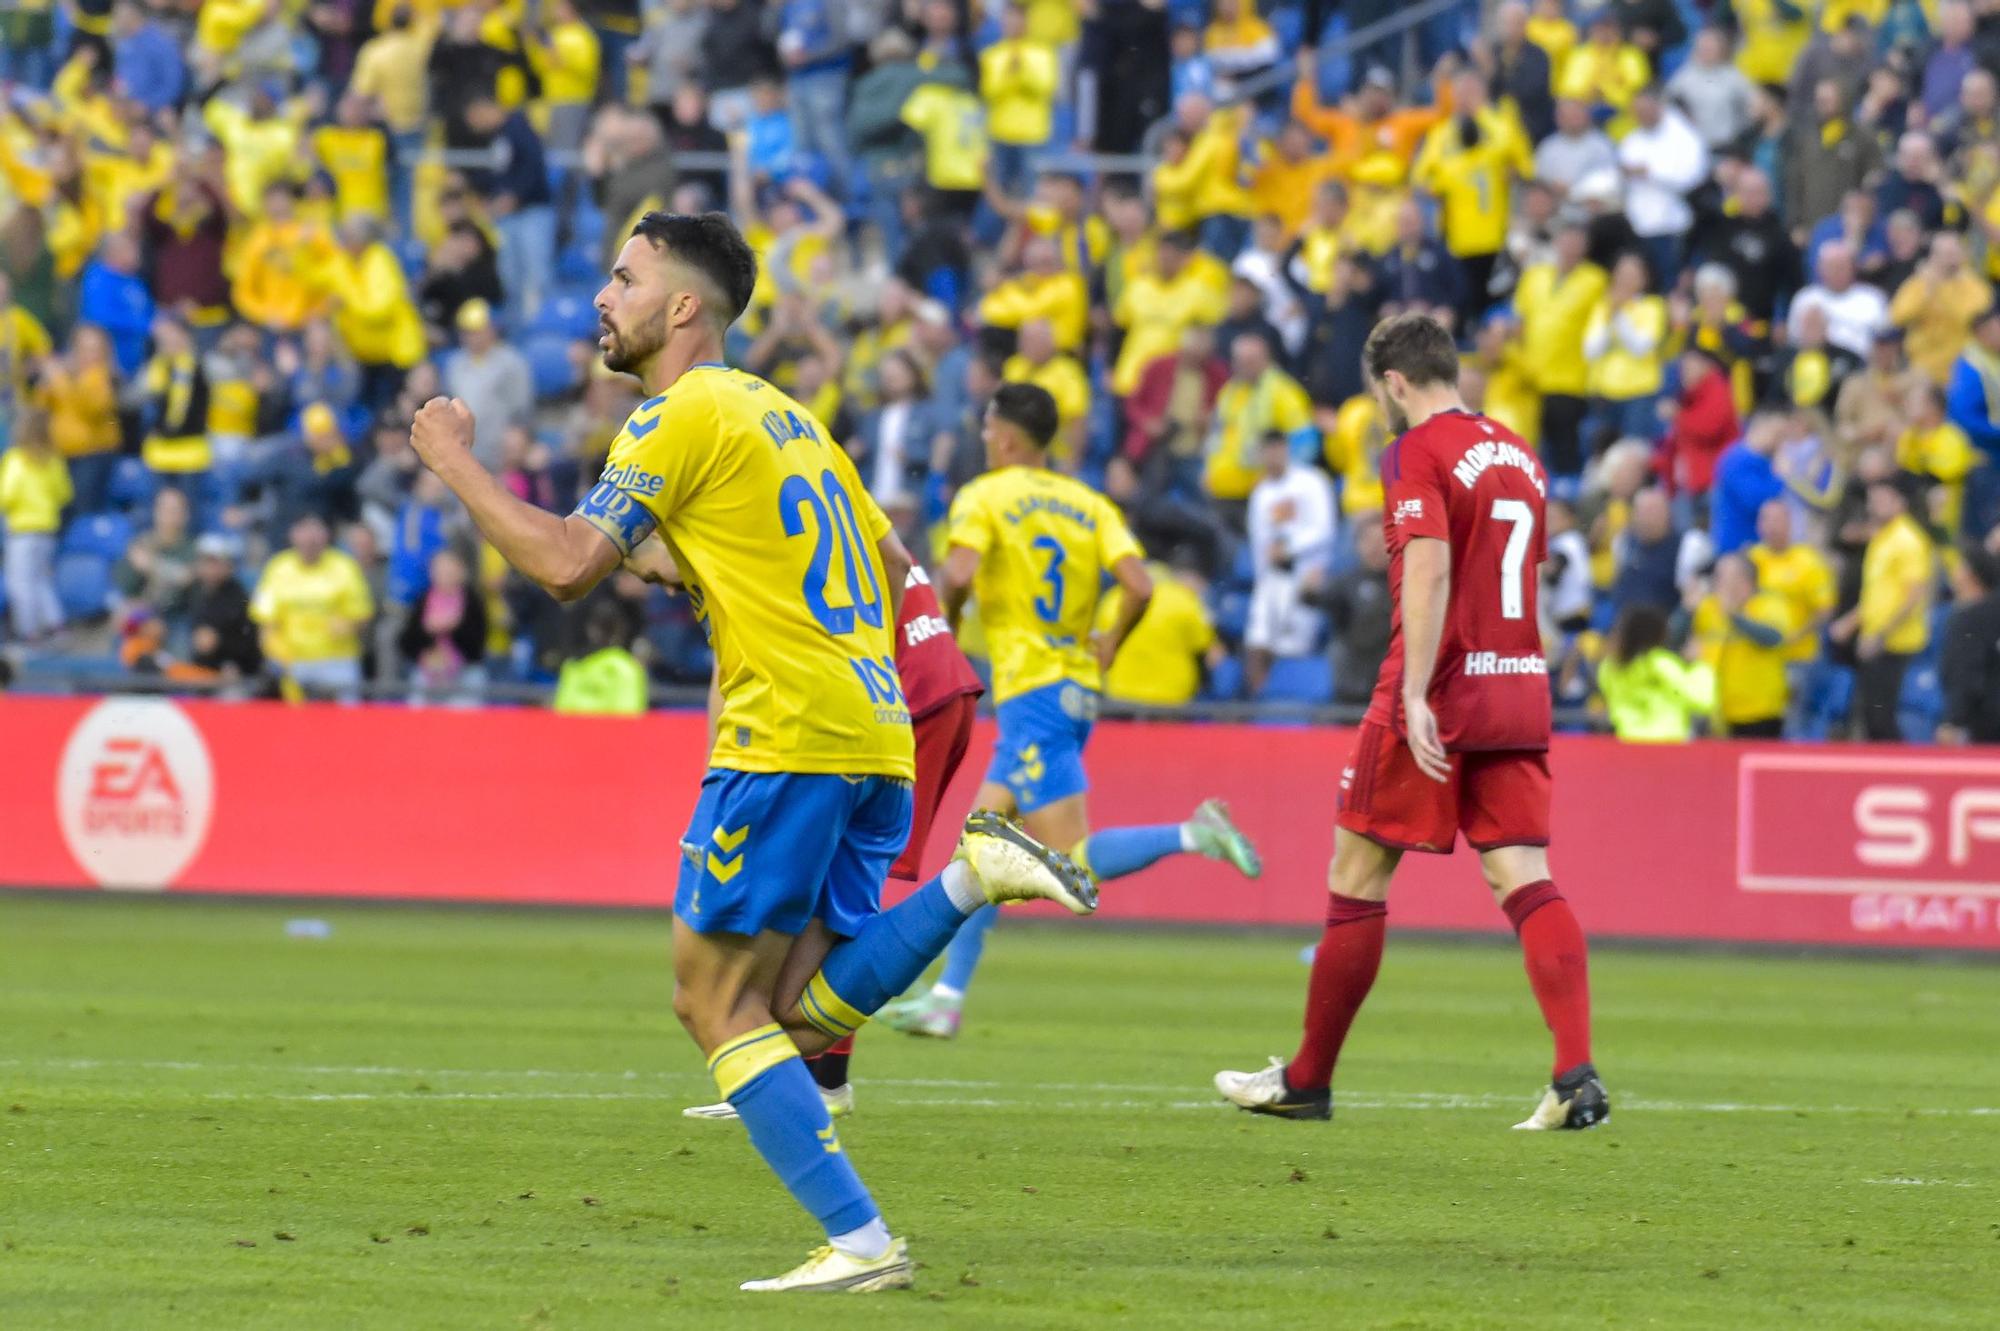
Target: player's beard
[(628, 351), (1397, 418)]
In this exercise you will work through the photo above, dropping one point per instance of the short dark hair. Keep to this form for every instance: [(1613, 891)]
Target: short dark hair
[(1641, 628), (1030, 409), (710, 244), (1415, 346)]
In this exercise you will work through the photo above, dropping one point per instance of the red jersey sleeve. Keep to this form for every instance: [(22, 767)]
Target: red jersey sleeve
[(928, 659), (1413, 494)]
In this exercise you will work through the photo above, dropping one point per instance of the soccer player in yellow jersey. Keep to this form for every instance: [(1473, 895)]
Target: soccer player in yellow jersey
[(780, 943), (1036, 549)]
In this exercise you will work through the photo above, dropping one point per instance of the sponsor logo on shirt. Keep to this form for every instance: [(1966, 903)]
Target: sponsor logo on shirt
[(1408, 509), (923, 629), (634, 480), (1492, 663)]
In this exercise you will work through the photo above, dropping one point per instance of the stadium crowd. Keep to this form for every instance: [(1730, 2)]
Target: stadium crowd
[(1730, 271)]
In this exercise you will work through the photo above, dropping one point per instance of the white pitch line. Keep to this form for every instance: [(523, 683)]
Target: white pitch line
[(1400, 1102)]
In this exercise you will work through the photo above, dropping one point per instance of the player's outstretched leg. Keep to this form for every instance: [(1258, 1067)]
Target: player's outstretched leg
[(936, 1013), (1557, 959), (1209, 832), (996, 862), (1343, 971)]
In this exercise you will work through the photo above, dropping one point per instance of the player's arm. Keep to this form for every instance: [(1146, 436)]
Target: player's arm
[(961, 566), (896, 566), (651, 561), (1137, 584), (565, 556), (1426, 590)]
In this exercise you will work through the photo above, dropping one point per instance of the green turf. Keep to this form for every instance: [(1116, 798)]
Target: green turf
[(467, 1119)]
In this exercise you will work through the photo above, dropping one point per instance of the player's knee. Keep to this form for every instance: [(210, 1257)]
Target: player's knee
[(1347, 879), (688, 1007)]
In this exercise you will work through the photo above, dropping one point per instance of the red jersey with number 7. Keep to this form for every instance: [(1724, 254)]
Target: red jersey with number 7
[(1468, 481)]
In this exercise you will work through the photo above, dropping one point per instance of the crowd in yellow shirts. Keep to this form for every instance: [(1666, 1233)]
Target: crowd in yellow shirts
[(1641, 236)]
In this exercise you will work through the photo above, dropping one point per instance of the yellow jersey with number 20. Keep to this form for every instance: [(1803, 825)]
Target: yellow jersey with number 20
[(776, 541), (1046, 543)]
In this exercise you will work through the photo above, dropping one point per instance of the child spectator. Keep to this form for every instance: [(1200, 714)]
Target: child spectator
[(34, 487)]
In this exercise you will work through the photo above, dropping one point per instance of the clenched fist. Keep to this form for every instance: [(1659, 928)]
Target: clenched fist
[(441, 431)]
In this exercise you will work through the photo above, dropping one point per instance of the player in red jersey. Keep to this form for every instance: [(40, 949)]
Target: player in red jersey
[(1456, 737), (943, 696)]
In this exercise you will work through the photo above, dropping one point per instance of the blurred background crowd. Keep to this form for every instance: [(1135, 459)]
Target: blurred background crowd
[(1730, 270)]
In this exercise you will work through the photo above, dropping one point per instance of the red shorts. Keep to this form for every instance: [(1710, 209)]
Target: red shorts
[(942, 738), (1498, 798)]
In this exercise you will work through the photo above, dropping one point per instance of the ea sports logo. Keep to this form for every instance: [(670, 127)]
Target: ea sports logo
[(134, 793)]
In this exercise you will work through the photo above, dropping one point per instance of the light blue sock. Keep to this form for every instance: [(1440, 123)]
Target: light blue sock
[(1117, 851), (961, 959), (884, 959), (762, 1075)]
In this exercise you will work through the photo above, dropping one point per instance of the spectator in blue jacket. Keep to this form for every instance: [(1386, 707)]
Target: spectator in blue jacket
[(1418, 273), (816, 50), (516, 188), (770, 144), (146, 59), (421, 531), (111, 294), (1745, 480), (1972, 401)]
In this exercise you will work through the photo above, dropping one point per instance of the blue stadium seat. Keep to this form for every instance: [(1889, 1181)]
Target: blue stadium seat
[(1243, 568), (1921, 707), (83, 584), (1232, 615), (1287, 25), (587, 228), (1829, 699), (102, 534), (1225, 682), (1299, 679), (133, 485), (578, 264), (548, 361), (566, 314)]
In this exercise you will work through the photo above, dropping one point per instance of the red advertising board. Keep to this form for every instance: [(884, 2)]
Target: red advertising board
[(1768, 843)]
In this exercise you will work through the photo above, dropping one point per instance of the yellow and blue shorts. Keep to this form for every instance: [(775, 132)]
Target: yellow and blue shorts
[(1039, 756), (775, 850)]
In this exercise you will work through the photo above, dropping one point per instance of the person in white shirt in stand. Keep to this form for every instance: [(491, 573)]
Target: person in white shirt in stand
[(1855, 311), (1663, 159), (1262, 264), (1292, 530), (1718, 97)]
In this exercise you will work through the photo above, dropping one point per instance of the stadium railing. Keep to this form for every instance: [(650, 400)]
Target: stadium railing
[(70, 680)]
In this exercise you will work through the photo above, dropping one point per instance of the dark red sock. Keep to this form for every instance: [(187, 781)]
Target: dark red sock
[(1558, 964), (1350, 952), (829, 1068)]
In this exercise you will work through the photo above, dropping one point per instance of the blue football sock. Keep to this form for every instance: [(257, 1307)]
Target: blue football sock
[(762, 1074), (961, 959), (1117, 851), (884, 959)]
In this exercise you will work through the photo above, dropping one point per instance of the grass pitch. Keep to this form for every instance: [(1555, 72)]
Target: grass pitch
[(469, 1119)]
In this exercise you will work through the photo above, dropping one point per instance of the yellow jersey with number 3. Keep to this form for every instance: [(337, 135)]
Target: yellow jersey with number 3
[(777, 542), (1046, 545)]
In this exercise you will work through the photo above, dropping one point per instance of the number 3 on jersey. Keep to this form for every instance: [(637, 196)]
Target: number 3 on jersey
[(1513, 559), (1049, 606), (830, 516)]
